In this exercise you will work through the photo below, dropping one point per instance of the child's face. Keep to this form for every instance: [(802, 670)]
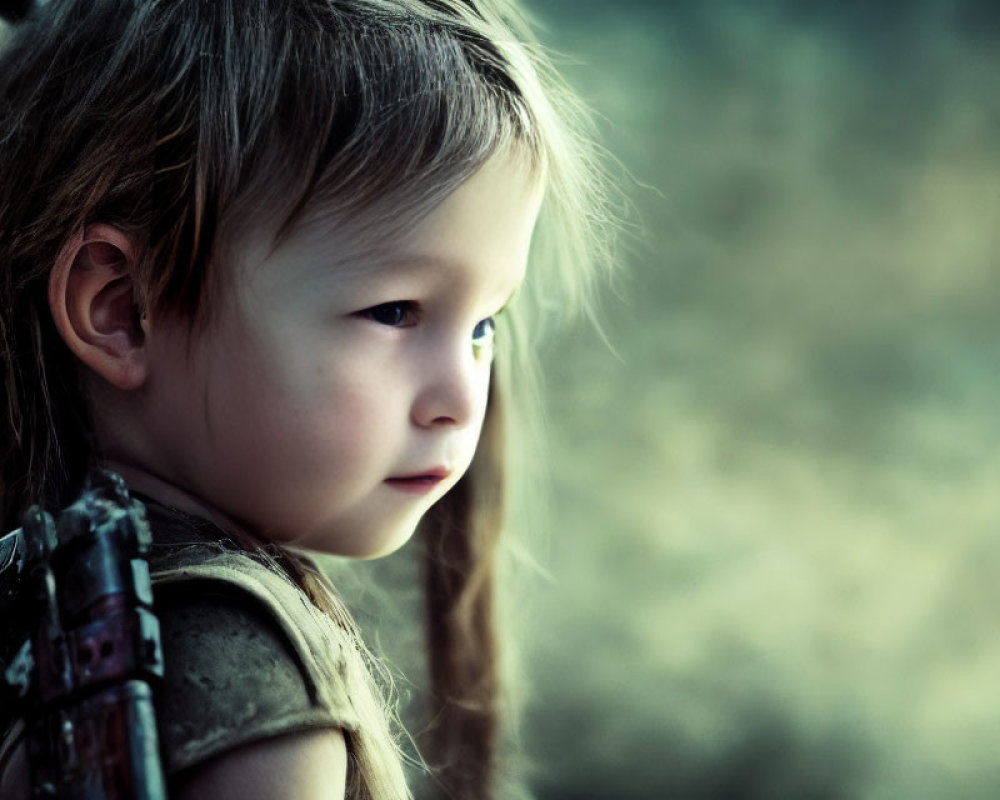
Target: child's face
[(320, 391)]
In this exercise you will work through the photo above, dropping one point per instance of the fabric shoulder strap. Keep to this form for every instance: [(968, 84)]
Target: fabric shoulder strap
[(322, 648)]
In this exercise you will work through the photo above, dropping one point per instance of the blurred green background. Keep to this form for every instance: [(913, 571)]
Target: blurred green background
[(775, 568)]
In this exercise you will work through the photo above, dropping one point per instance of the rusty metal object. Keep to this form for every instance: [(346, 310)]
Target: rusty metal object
[(81, 667)]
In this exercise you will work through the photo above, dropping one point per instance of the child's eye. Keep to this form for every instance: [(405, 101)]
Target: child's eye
[(483, 334), (399, 314)]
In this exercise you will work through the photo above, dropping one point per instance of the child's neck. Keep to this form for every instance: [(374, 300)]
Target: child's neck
[(169, 494)]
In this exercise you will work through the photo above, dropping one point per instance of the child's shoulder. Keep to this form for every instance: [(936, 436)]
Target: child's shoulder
[(247, 656)]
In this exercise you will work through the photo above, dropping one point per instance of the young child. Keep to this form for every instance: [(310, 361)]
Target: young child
[(253, 257)]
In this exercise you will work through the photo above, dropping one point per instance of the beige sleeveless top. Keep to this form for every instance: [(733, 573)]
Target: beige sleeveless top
[(247, 655)]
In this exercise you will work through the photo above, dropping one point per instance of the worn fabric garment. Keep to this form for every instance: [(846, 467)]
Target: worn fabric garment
[(247, 657)]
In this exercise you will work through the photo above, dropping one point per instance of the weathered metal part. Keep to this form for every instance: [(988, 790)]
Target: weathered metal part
[(82, 591)]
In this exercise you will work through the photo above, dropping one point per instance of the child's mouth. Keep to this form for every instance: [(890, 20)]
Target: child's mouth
[(418, 484)]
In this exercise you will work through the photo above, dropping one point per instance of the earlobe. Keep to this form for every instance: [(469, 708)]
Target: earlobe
[(92, 301)]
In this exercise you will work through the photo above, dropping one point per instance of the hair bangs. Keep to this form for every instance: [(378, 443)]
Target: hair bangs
[(406, 111)]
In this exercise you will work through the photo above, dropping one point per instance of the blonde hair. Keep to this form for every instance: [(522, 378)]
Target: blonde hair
[(177, 120)]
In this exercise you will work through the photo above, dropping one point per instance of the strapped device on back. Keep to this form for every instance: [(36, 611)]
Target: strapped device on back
[(80, 648)]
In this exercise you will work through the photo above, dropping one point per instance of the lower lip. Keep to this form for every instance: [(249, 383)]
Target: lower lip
[(414, 485)]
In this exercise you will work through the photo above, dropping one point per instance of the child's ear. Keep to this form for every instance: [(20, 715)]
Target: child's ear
[(92, 300)]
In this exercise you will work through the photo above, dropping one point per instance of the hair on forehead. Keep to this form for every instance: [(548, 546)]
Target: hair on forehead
[(185, 122), (367, 114)]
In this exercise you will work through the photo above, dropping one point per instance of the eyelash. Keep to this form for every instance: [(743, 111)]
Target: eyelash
[(491, 322), (406, 314)]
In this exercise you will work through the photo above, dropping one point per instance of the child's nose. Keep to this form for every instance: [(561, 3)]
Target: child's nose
[(452, 387)]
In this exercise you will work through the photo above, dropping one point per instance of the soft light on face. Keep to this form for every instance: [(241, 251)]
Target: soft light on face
[(330, 407)]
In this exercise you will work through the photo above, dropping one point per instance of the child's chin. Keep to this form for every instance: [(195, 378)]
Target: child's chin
[(389, 543), (361, 546)]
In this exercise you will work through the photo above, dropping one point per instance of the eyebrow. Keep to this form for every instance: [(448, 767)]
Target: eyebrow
[(392, 263), (389, 262), (397, 262), (400, 262)]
